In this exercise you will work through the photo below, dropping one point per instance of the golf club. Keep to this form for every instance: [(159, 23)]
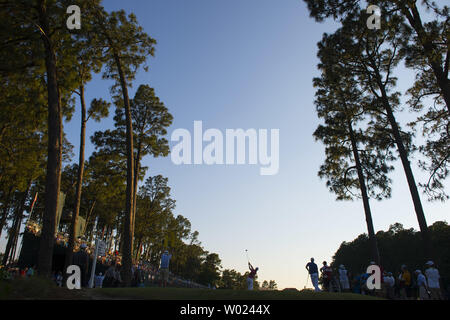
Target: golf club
[(307, 278)]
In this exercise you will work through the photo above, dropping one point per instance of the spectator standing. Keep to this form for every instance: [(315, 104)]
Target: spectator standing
[(139, 277), (117, 276), (433, 278), (98, 281), (405, 283), (422, 285), (109, 281), (356, 288), (164, 268), (327, 274), (389, 282), (59, 279), (343, 278), (313, 273), (363, 283), (30, 271)]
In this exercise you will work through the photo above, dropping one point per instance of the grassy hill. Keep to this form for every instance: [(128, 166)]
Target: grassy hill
[(219, 294), (44, 289)]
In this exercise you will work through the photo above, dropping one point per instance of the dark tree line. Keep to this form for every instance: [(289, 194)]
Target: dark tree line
[(399, 246)]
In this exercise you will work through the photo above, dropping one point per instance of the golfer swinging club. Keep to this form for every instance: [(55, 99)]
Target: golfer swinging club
[(252, 273), (314, 273), (251, 276)]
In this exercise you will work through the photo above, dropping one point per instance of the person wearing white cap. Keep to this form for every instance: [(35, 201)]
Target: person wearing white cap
[(422, 285), (343, 278), (433, 281)]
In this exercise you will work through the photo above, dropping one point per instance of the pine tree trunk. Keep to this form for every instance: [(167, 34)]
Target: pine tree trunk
[(430, 50), (428, 249), (127, 234), (15, 228), (108, 232), (14, 247), (362, 185), (94, 229), (136, 178), (110, 238), (145, 251), (53, 177), (148, 255), (6, 208), (138, 250), (11, 239), (88, 216), (76, 211), (127, 249)]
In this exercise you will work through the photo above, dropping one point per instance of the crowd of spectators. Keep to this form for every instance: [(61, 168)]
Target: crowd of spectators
[(143, 275), (108, 267), (13, 272), (33, 227), (404, 285)]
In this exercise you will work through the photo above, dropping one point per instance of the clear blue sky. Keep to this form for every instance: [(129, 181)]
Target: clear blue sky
[(250, 64)]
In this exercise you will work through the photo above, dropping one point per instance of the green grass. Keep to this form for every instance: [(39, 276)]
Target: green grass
[(37, 289), (205, 294), (44, 289)]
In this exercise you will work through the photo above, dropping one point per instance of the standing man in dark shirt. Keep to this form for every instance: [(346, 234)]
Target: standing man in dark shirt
[(314, 274), (251, 276)]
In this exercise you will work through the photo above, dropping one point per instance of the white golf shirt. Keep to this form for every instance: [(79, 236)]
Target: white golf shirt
[(343, 275), (433, 278)]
